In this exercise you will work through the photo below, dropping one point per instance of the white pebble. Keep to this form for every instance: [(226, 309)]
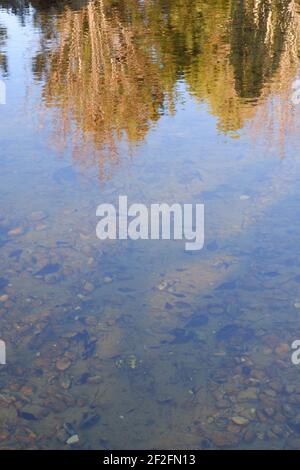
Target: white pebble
[(73, 439)]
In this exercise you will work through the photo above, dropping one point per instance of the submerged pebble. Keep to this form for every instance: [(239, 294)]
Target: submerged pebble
[(230, 285), (282, 349), (50, 268), (197, 320), (63, 363), (240, 420), (38, 216), (16, 231), (182, 336), (225, 439), (73, 439), (89, 287), (162, 285), (66, 383), (89, 420), (234, 330), (30, 412)]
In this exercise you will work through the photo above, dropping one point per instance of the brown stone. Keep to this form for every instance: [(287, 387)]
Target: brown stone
[(63, 363), (16, 231), (248, 394), (225, 439), (240, 420), (282, 349)]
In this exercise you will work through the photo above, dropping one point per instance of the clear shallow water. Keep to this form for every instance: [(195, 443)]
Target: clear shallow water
[(141, 344)]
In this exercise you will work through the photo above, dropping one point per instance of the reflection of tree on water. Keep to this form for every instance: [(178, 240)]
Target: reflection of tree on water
[(103, 79), (3, 57), (275, 115), (243, 48), (112, 67), (19, 7), (258, 38)]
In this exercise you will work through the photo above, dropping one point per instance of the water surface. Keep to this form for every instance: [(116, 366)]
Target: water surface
[(140, 344)]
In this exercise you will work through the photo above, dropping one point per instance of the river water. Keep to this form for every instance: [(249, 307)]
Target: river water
[(141, 344)]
